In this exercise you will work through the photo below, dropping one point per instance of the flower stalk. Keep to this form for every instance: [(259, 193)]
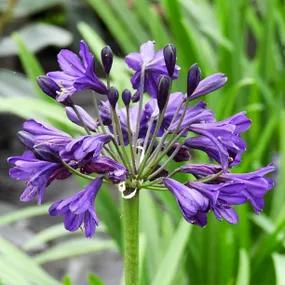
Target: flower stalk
[(130, 219)]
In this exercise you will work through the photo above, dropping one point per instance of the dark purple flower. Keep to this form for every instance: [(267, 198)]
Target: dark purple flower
[(169, 53), (126, 96), (48, 86), (113, 96), (221, 140), (87, 119), (85, 147), (163, 91), (193, 204), (79, 209), (35, 133), (77, 73), (113, 170), (194, 77), (37, 174), (152, 63), (107, 59)]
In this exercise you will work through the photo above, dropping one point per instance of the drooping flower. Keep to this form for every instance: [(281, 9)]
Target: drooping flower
[(193, 204), (36, 173), (79, 209), (77, 73), (152, 63), (221, 140)]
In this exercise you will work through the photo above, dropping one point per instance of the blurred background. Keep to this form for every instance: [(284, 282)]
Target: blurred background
[(245, 39)]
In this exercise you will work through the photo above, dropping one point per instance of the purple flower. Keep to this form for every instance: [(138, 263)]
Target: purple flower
[(152, 63), (35, 133), (77, 73), (209, 84), (85, 147), (221, 140), (87, 119), (37, 174), (113, 170), (79, 209), (193, 204)]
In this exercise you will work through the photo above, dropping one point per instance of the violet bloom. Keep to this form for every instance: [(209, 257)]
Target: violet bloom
[(36, 173), (35, 133), (77, 73), (221, 140), (79, 209), (194, 206), (153, 65), (85, 147), (139, 147)]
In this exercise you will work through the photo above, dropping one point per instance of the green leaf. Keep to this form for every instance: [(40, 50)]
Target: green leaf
[(67, 280), (31, 211), (243, 276), (31, 65), (118, 30), (36, 37), (22, 264), (279, 265), (172, 258), (95, 280), (72, 248)]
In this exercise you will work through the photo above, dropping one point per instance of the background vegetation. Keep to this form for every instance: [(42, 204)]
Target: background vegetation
[(242, 38)]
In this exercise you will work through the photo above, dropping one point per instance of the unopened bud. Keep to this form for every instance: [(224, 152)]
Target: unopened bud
[(163, 91), (48, 86), (113, 96), (107, 58), (169, 53), (194, 77), (126, 95)]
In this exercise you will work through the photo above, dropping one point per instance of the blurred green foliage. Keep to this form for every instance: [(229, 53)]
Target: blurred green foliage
[(244, 39)]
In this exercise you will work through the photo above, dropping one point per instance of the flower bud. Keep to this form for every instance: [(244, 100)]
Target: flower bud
[(48, 86), (163, 91), (113, 96), (107, 58), (126, 95), (194, 77), (169, 53)]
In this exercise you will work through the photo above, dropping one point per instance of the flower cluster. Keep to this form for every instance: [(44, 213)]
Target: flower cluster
[(133, 145)]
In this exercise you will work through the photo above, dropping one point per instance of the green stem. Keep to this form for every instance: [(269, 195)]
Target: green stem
[(131, 239)]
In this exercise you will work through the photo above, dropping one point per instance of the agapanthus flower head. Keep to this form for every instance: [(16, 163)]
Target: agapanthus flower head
[(142, 145)]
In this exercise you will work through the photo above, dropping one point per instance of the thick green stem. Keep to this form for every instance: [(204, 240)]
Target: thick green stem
[(131, 239)]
